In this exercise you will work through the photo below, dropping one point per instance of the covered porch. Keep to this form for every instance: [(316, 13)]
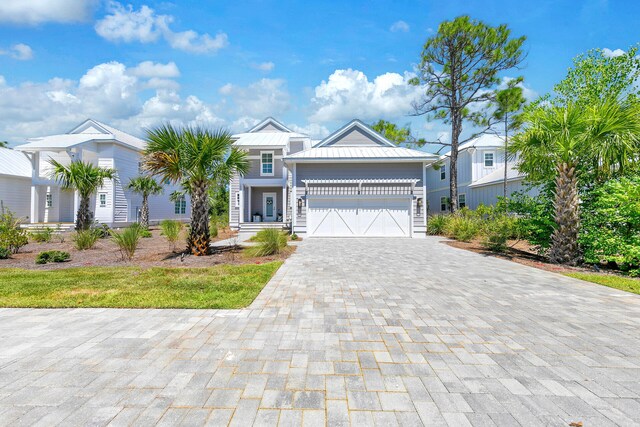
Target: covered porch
[(263, 204)]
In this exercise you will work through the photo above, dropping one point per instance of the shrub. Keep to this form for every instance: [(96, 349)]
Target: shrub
[(145, 233), (171, 231), (52, 256), (294, 236), (12, 236), (497, 231), (86, 239), (127, 240), (271, 241), (610, 230), (4, 253), (535, 217), (213, 230), (102, 230), (436, 224), (462, 227), (42, 235)]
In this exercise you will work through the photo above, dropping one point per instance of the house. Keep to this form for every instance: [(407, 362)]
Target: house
[(354, 182), (42, 200), (480, 175), (15, 182)]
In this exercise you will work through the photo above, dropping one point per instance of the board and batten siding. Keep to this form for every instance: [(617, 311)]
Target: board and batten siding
[(342, 170), (15, 195), (105, 214)]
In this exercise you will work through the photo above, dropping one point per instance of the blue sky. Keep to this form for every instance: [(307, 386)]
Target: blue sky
[(314, 65)]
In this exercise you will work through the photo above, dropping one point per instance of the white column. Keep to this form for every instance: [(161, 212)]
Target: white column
[(34, 204), (76, 205), (424, 192), (284, 203), (250, 190), (294, 199), (241, 217)]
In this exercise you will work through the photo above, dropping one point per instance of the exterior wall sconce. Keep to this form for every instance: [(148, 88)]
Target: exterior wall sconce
[(419, 206), (300, 203)]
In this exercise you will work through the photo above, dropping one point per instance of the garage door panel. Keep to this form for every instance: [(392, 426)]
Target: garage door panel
[(359, 217)]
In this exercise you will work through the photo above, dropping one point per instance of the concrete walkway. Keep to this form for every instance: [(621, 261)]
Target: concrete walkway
[(361, 331)]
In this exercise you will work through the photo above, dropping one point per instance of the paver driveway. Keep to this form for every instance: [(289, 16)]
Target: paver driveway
[(367, 331)]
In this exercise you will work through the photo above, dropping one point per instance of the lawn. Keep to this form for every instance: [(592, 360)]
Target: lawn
[(623, 283), (222, 286)]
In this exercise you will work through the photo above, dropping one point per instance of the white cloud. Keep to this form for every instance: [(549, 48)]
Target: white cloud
[(34, 12), (399, 26), (608, 53), (264, 66), (266, 97), (155, 69), (20, 51), (349, 94), (110, 91), (314, 130), (128, 25)]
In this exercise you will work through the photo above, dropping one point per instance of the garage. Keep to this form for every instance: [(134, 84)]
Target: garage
[(359, 216)]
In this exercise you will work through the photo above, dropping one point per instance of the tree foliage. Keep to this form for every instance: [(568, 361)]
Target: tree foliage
[(145, 186), (399, 135), (459, 68)]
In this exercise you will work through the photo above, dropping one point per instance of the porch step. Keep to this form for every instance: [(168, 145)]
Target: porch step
[(257, 226)]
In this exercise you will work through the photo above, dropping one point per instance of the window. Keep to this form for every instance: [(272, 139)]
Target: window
[(103, 200), (238, 199), (462, 200), (180, 206), (443, 173), (488, 160), (140, 168), (49, 200), (266, 163), (443, 204)]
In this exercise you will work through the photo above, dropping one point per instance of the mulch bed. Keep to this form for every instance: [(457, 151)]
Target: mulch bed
[(152, 252)]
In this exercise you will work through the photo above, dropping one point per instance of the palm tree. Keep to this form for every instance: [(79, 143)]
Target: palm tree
[(84, 178), (146, 186), (566, 141), (196, 158)]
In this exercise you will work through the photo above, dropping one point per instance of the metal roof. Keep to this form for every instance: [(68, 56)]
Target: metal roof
[(265, 139), (361, 181), (360, 153), (14, 163), (498, 176)]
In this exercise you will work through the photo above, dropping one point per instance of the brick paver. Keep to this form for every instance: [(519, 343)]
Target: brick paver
[(349, 331)]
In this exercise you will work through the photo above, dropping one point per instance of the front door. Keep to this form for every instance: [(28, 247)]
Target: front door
[(269, 207)]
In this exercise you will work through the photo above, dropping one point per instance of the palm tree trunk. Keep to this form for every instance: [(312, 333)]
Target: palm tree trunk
[(564, 240), (199, 234), (144, 215), (83, 220)]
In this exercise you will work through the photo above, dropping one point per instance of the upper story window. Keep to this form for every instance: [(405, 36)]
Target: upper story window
[(266, 163), (488, 159), (462, 200), (180, 206), (443, 172), (102, 197), (49, 200)]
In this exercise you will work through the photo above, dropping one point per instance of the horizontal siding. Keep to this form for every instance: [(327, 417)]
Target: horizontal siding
[(354, 137), (254, 164), (15, 195), (234, 212)]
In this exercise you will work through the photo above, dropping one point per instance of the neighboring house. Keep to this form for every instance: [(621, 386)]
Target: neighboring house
[(44, 201), (480, 175), (355, 182), (15, 182)]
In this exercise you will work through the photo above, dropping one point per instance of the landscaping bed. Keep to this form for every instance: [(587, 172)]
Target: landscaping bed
[(222, 286)]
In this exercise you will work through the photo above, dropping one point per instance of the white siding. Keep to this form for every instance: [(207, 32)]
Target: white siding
[(15, 195)]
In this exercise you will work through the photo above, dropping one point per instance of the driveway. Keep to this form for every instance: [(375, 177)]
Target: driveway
[(367, 331)]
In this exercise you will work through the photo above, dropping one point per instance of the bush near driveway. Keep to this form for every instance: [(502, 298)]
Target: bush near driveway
[(224, 286), (271, 241)]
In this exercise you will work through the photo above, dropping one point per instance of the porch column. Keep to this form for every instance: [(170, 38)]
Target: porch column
[(76, 205), (34, 204), (284, 203), (250, 190), (241, 218)]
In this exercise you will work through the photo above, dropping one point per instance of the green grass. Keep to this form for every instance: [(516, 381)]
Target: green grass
[(623, 283), (225, 286)]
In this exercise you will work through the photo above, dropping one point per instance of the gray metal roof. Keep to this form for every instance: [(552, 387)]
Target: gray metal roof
[(498, 176), (361, 153)]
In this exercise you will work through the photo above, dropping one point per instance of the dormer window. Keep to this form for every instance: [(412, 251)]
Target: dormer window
[(266, 163), (443, 172), (488, 159)]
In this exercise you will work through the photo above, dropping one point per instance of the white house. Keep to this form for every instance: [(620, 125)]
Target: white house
[(39, 198), (480, 175), (355, 182)]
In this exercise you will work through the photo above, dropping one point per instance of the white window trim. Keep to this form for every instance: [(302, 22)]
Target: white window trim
[(443, 169), (181, 205), (445, 203), (237, 199), (48, 200), (493, 161), (465, 199), (100, 200), (273, 163)]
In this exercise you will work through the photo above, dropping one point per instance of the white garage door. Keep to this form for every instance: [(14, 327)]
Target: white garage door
[(344, 217)]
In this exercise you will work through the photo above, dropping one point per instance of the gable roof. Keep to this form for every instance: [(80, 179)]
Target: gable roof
[(262, 139), (14, 163), (88, 131), (269, 121), (366, 153), (359, 125)]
